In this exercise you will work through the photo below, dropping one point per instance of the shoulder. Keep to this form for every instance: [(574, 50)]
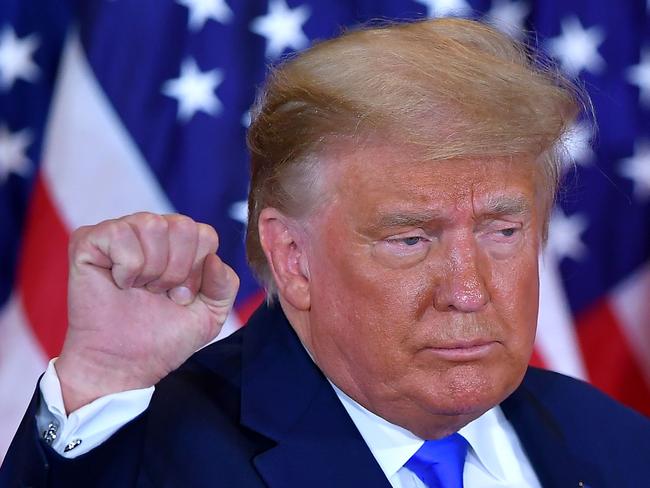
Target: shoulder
[(212, 373), (586, 413), (193, 428), (572, 398), (568, 423)]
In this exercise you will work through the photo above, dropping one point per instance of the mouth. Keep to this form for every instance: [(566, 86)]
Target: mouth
[(463, 351)]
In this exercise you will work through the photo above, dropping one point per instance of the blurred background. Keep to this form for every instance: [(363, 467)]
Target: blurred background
[(109, 107)]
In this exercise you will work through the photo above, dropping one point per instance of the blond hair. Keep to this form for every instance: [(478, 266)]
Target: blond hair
[(452, 87)]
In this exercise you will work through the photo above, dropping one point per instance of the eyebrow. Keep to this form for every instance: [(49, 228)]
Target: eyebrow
[(407, 219), (494, 207), (506, 206)]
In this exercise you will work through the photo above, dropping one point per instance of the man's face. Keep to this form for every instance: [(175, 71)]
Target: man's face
[(424, 283)]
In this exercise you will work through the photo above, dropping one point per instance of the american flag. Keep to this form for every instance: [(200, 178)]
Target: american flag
[(112, 107)]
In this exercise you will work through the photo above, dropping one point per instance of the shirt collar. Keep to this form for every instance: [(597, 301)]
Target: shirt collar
[(392, 445), (486, 437)]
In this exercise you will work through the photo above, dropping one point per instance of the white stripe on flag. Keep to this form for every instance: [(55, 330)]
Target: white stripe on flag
[(91, 165), (630, 301), (556, 338), (22, 361)]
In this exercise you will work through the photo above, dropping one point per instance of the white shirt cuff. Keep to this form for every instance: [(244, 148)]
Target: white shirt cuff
[(85, 428)]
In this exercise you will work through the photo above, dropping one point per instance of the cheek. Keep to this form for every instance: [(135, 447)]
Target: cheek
[(349, 274), (359, 302), (390, 301), (515, 296)]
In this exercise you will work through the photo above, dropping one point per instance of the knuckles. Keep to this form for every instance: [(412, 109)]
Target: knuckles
[(181, 223), (150, 223), (115, 231), (124, 237)]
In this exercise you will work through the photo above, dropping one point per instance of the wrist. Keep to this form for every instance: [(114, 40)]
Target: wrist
[(85, 380)]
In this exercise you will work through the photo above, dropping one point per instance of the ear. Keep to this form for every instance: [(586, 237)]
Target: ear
[(283, 243)]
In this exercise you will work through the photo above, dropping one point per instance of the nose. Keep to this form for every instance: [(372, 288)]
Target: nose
[(461, 286)]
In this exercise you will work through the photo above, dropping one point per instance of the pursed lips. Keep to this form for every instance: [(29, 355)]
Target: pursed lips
[(462, 349)]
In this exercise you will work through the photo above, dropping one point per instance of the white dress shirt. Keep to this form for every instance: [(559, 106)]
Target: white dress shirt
[(495, 457), (90, 425)]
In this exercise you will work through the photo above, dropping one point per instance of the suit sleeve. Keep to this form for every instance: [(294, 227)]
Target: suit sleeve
[(91, 425), (30, 462)]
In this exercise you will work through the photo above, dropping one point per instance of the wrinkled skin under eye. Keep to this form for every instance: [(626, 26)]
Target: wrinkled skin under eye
[(402, 251), (502, 240)]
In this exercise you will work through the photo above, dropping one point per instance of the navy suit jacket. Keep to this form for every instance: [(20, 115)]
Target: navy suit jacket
[(254, 411)]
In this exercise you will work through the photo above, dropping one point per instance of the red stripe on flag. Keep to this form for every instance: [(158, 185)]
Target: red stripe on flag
[(43, 270), (537, 360), (245, 309), (609, 360)]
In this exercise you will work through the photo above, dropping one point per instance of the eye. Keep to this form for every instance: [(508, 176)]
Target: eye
[(409, 241), (406, 243), (502, 238), (398, 251)]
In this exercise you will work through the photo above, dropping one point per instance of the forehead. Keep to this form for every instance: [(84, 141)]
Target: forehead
[(383, 175)]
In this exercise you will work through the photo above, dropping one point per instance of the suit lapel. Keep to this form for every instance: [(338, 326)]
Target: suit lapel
[(545, 445), (287, 399)]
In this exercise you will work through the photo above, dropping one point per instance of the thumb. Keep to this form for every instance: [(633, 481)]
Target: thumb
[(219, 285)]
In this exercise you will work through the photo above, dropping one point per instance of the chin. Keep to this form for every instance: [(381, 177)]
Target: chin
[(471, 389)]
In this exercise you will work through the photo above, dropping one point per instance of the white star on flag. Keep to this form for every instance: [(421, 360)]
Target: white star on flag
[(200, 11), (246, 119), (443, 8), (639, 75), (508, 16), (564, 235), (577, 48), (282, 27), (577, 142), (12, 153), (239, 211), (194, 90), (16, 58), (637, 168)]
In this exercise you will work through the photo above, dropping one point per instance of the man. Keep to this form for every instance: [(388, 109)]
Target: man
[(402, 179)]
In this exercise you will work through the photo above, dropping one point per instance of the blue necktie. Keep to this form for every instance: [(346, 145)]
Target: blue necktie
[(439, 463)]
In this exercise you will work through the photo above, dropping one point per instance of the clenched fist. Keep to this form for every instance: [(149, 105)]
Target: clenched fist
[(145, 291)]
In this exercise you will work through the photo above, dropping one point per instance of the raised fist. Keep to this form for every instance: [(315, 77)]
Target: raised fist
[(145, 292)]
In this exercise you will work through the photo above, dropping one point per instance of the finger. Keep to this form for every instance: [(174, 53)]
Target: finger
[(111, 245), (151, 230), (217, 293), (208, 242), (219, 284), (81, 251), (182, 235)]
